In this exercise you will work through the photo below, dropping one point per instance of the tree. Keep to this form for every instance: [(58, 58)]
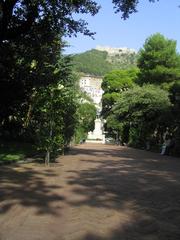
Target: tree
[(18, 16), (144, 109), (53, 117), (25, 64), (159, 62), (119, 80), (114, 83), (86, 113), (175, 124), (127, 7)]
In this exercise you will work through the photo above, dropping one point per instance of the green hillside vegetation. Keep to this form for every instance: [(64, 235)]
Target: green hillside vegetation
[(99, 63)]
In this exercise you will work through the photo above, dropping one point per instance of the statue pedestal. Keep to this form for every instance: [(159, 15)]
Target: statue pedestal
[(97, 135)]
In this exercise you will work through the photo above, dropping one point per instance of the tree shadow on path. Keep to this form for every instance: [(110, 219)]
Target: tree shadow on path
[(29, 187), (147, 181)]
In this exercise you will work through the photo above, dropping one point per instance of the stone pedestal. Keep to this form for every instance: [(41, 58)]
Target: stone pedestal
[(97, 135)]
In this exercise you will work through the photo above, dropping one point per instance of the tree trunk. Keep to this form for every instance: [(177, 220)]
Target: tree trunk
[(47, 158)]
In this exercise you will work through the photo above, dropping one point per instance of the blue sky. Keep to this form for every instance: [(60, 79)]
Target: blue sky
[(111, 30)]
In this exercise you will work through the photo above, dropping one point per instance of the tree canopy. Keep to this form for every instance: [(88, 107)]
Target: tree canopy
[(127, 7), (114, 83), (86, 114), (18, 16), (159, 62), (119, 80), (143, 109), (141, 104)]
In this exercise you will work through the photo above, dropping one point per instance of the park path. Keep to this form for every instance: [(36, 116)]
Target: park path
[(96, 192)]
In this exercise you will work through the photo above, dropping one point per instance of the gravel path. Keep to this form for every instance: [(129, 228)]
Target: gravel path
[(96, 192)]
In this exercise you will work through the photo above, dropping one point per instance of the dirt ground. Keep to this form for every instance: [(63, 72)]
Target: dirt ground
[(96, 192)]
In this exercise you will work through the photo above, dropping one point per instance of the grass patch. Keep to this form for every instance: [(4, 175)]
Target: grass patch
[(13, 152), (11, 157)]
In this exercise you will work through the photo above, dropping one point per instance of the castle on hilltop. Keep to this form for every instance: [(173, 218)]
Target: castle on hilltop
[(113, 51)]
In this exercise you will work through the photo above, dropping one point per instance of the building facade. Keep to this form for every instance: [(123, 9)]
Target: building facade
[(92, 86)]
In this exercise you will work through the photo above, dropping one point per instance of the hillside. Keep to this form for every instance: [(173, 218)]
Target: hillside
[(101, 60)]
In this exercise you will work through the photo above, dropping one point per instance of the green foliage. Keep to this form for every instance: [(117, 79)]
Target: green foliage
[(108, 100), (142, 103), (175, 90), (98, 63), (31, 62), (114, 83), (13, 151), (119, 80), (54, 117), (145, 113), (127, 7), (144, 109), (79, 134), (86, 113), (159, 62), (33, 71), (92, 62), (175, 99), (17, 17)]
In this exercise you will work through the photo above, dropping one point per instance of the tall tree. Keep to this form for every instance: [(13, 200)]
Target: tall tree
[(114, 83), (159, 62), (51, 116), (30, 62), (18, 16), (87, 115), (127, 7), (144, 109)]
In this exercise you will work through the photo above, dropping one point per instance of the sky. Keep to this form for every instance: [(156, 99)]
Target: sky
[(111, 30)]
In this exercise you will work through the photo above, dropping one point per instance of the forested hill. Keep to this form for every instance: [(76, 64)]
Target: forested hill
[(102, 60)]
